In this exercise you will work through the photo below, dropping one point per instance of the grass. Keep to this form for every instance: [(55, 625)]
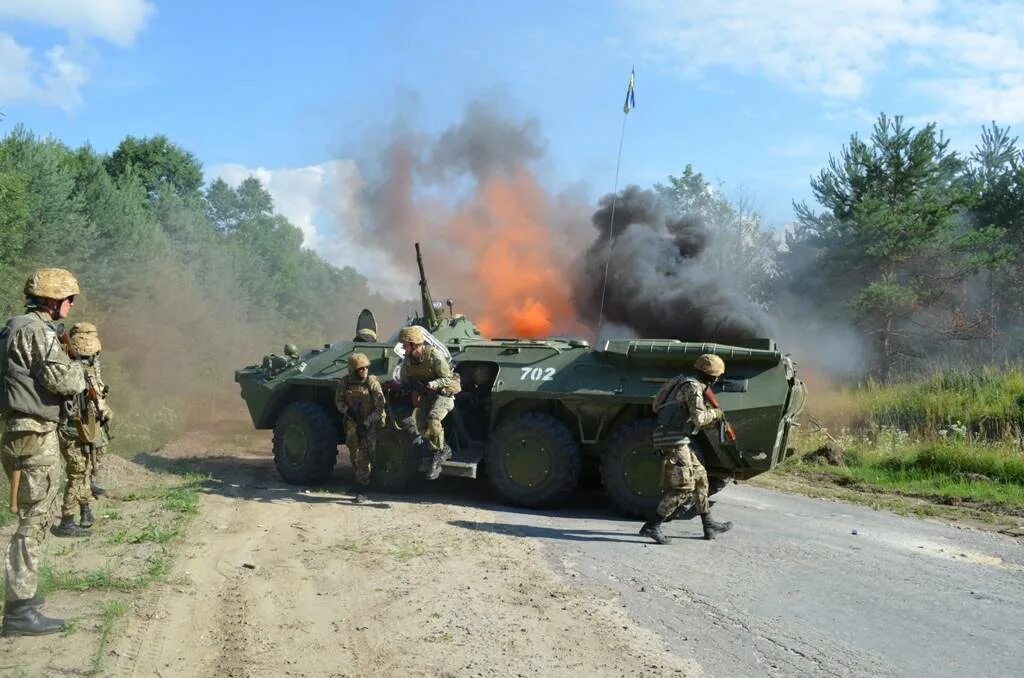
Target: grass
[(110, 612)]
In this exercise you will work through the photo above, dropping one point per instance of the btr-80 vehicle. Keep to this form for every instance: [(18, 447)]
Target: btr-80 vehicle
[(532, 413)]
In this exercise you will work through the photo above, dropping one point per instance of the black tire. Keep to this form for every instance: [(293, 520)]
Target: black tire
[(397, 466), (532, 460), (631, 469), (305, 443), (717, 483)]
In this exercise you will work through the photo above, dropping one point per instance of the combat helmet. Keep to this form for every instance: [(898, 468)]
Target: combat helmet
[(51, 283), (366, 334), (291, 350), (85, 339), (412, 334), (710, 364), (357, 360)]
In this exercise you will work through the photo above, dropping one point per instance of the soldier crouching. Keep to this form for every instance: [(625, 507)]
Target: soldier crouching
[(682, 411), (360, 399)]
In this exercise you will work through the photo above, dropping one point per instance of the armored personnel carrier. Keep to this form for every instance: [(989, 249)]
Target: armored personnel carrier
[(532, 413)]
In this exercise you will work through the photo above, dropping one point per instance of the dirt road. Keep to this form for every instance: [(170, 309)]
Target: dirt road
[(274, 581)]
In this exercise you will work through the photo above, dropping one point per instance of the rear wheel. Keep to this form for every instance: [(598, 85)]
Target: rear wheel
[(631, 469), (305, 443), (532, 460)]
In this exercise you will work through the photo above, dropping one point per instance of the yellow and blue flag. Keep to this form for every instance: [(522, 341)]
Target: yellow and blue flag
[(630, 93)]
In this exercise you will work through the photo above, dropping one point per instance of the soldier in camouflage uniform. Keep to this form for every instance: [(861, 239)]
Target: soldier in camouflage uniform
[(82, 435), (37, 377), (682, 411), (360, 399), (426, 371)]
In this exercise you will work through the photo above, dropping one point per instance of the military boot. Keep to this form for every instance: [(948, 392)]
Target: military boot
[(440, 456), (23, 618), (86, 520), (67, 528), (96, 490), (361, 498), (652, 529), (711, 527)]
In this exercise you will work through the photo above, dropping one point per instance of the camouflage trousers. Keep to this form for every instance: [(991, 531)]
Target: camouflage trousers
[(38, 456), (429, 415), (78, 462), (94, 467), (362, 449), (683, 481)]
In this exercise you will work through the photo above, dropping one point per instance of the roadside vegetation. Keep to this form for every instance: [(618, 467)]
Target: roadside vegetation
[(94, 581), (951, 439)]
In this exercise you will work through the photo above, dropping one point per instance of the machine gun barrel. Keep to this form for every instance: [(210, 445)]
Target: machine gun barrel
[(430, 315)]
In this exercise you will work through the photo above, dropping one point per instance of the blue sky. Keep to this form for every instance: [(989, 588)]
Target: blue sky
[(753, 94)]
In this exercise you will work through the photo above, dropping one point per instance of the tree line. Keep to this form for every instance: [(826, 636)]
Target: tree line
[(913, 247)]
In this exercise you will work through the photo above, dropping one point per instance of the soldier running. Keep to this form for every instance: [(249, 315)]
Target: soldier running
[(360, 399), (682, 411)]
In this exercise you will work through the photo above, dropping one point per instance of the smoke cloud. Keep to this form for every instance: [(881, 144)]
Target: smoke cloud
[(659, 283)]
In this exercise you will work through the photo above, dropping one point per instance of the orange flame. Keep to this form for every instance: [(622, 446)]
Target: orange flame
[(519, 282)]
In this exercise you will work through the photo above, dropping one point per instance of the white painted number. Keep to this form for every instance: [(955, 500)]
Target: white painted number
[(537, 373)]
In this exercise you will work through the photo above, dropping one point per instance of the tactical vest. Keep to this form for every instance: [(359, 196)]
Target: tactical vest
[(358, 398), (424, 371), (674, 427), (21, 393)]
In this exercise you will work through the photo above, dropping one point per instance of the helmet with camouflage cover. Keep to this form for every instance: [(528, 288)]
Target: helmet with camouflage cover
[(291, 350), (51, 283), (710, 364), (412, 334), (357, 360), (366, 334), (85, 339)]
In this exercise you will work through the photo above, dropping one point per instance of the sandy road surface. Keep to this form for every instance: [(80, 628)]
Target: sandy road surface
[(274, 581)]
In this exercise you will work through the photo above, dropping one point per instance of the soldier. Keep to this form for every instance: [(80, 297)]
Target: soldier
[(426, 371), (360, 399), (37, 377), (83, 435), (365, 335), (682, 411)]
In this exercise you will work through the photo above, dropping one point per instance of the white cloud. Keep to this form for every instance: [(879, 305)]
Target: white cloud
[(56, 77), (325, 202), (966, 56), (115, 21)]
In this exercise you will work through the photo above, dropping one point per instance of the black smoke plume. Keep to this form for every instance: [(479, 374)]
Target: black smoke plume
[(659, 283)]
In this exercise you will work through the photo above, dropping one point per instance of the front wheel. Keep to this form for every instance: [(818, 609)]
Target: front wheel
[(305, 443), (533, 460), (396, 466)]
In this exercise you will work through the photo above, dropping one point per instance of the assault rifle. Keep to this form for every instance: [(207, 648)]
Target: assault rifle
[(726, 433)]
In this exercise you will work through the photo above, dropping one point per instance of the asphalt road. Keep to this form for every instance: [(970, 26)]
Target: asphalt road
[(803, 586)]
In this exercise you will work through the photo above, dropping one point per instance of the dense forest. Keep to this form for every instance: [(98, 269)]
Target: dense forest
[(910, 259), (185, 283)]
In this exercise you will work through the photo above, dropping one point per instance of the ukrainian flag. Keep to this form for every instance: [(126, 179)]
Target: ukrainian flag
[(630, 93)]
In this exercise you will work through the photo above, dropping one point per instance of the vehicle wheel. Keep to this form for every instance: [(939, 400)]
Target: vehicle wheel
[(532, 460), (717, 483), (305, 444), (396, 467), (631, 469)]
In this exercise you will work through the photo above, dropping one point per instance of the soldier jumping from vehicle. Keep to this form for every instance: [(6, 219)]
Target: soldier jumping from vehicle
[(83, 435), (360, 399), (683, 409), (37, 376), (427, 373)]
